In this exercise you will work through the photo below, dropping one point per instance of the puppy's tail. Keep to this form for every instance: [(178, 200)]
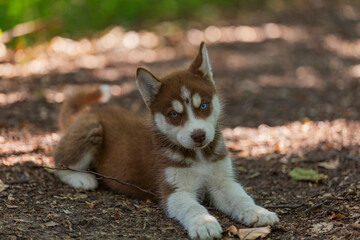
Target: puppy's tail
[(78, 99)]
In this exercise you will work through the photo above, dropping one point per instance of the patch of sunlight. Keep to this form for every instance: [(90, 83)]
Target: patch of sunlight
[(272, 30), (110, 40), (53, 96), (91, 61), (3, 51), (123, 89), (34, 148), (342, 47), (292, 138), (195, 36), (38, 159), (9, 70), (131, 40), (13, 97), (354, 71), (109, 73), (243, 33), (71, 47), (24, 28), (213, 34), (248, 34), (149, 40), (65, 55)]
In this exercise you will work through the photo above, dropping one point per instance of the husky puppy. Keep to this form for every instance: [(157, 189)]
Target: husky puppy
[(177, 152)]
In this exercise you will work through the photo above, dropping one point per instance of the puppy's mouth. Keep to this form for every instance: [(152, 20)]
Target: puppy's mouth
[(198, 146)]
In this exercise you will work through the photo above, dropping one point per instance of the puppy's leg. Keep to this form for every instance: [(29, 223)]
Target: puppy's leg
[(230, 197), (183, 206), (77, 149)]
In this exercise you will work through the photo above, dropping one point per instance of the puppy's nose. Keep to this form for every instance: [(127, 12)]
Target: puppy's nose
[(198, 136)]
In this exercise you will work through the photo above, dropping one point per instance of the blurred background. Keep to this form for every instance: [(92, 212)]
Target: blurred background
[(285, 47), (35, 21)]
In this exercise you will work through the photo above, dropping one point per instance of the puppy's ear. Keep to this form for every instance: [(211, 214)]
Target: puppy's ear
[(201, 64), (148, 85)]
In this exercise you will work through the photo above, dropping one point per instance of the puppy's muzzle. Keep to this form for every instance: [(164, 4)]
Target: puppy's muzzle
[(198, 137)]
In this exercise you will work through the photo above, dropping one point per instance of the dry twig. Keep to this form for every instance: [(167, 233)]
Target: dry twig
[(313, 207), (104, 177), (287, 206)]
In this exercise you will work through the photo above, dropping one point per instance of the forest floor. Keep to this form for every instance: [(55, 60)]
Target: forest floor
[(291, 86)]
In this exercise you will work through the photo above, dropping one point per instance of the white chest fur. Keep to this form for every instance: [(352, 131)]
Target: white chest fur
[(202, 173)]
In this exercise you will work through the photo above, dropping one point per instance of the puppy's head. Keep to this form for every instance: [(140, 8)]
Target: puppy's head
[(184, 104)]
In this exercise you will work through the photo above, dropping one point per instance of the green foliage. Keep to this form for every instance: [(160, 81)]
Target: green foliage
[(83, 16), (301, 174), (76, 18)]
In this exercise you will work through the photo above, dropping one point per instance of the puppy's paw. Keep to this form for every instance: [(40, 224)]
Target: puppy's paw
[(205, 227), (78, 180), (258, 216)]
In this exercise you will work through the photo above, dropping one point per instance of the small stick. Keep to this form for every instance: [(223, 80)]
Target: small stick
[(351, 158), (26, 180), (313, 207), (286, 206), (105, 177)]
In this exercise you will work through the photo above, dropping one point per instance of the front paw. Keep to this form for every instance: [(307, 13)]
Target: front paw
[(205, 227), (258, 216)]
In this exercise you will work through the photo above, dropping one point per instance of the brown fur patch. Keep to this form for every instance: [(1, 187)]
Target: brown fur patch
[(76, 102), (210, 150), (83, 135)]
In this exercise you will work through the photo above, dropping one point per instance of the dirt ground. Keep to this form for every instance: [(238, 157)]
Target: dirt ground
[(290, 83)]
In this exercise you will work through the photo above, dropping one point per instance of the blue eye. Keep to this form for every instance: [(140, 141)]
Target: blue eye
[(174, 114), (203, 106)]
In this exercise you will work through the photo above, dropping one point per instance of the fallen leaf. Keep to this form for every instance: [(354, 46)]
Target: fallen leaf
[(279, 147), (66, 211), (331, 165), (3, 186), (322, 227), (231, 231), (80, 196), (90, 204), (241, 169), (49, 169), (306, 120), (22, 220), (254, 175), (326, 195), (301, 174), (253, 233), (145, 209), (117, 216), (355, 225), (355, 215), (338, 216), (11, 197), (51, 224), (11, 206), (329, 146), (244, 154)]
